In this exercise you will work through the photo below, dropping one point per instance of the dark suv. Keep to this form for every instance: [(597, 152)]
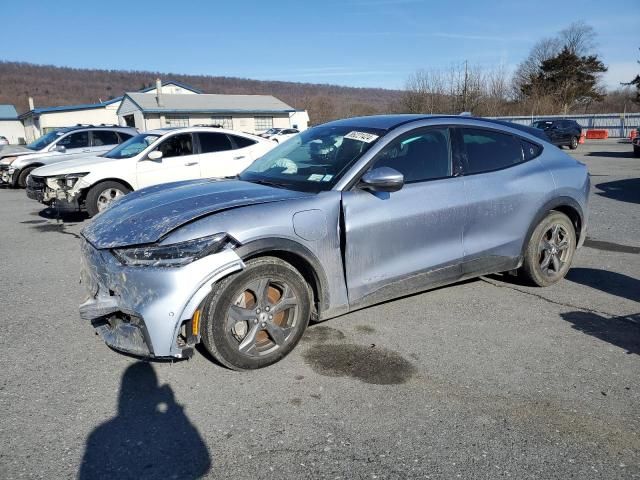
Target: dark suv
[(561, 132)]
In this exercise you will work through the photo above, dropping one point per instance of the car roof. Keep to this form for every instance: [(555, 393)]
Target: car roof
[(166, 130), (92, 127), (389, 122)]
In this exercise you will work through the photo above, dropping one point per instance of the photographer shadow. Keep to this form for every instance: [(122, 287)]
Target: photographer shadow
[(151, 437)]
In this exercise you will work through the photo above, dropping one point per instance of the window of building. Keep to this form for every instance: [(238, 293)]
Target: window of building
[(263, 123), (488, 150), (176, 120), (224, 122)]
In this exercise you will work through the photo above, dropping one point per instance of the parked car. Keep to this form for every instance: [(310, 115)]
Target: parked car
[(561, 132), (393, 205), (61, 145), (279, 135), (4, 140), (150, 158), (636, 144)]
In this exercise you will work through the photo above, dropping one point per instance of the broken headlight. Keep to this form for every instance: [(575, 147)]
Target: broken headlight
[(173, 255), (64, 182), (7, 160)]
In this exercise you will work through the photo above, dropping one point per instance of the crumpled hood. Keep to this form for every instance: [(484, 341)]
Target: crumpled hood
[(147, 215), (74, 165), (12, 150)]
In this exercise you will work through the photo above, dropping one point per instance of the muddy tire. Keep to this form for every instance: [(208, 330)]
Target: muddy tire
[(548, 255), (256, 317), (102, 194)]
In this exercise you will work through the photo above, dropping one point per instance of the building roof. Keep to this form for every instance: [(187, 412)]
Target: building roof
[(172, 82), (208, 103), (8, 112), (70, 108)]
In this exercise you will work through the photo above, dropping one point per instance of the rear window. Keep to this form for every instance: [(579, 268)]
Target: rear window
[(104, 137), (530, 150)]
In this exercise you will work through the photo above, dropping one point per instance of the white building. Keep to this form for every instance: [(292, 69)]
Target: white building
[(247, 113), (10, 125), (38, 121)]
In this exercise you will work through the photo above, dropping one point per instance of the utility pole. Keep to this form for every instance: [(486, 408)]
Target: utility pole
[(464, 87)]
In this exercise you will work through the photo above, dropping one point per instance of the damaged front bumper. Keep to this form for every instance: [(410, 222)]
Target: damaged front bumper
[(141, 310), (38, 189), (6, 173)]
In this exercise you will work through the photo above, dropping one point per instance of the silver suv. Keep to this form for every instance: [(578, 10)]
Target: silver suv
[(380, 207), (59, 145)]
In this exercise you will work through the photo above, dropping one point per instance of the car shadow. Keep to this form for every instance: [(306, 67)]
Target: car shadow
[(623, 332), (51, 213), (628, 154), (613, 283), (150, 437), (627, 190)]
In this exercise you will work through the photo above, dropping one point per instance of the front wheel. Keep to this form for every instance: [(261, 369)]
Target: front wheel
[(574, 143), (102, 195), (254, 318), (636, 151), (550, 251), (21, 179)]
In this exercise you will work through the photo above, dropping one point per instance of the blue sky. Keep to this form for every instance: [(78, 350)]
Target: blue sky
[(373, 43)]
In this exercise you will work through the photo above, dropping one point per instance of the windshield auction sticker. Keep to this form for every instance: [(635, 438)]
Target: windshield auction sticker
[(361, 136)]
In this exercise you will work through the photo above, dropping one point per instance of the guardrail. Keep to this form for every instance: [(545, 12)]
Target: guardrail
[(617, 125)]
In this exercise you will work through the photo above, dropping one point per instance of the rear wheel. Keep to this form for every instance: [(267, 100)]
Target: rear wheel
[(102, 194), (574, 143), (254, 318), (550, 250), (636, 151)]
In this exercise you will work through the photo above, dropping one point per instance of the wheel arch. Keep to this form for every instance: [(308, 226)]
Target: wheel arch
[(300, 257), (567, 205)]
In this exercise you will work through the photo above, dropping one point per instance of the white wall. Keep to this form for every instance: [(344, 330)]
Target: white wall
[(13, 130)]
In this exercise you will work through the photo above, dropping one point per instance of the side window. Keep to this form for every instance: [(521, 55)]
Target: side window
[(242, 142), (530, 150), (420, 155), (177, 146), (75, 140), (214, 142), (487, 150), (123, 137), (104, 137)]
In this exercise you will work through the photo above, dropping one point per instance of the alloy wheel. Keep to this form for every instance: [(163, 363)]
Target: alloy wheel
[(107, 196), (554, 250)]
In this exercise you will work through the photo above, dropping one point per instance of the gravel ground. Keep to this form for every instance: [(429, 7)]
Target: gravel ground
[(483, 379)]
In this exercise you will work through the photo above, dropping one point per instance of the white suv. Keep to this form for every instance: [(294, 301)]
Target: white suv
[(150, 158), (59, 145)]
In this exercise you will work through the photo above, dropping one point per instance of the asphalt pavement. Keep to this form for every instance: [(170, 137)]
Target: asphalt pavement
[(484, 379)]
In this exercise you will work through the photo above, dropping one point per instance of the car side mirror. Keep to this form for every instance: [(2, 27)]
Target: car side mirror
[(60, 148), (382, 179), (155, 155)]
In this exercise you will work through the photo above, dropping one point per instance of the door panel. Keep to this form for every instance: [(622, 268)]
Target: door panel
[(501, 206), (178, 163), (402, 242)]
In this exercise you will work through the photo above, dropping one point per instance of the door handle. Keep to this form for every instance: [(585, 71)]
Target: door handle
[(86, 151), (189, 164), (239, 158)]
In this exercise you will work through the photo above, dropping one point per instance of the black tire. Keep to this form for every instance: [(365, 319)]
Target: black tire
[(636, 151), (94, 201), (251, 327), (20, 180), (574, 143), (548, 255)]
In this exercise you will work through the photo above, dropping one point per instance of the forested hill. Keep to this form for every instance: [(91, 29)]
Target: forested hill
[(54, 86)]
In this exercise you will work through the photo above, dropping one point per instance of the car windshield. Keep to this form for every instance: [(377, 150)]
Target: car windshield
[(313, 160), (43, 141), (542, 124), (132, 147)]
